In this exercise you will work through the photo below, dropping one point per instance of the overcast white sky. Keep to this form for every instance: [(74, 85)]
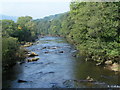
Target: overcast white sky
[(34, 8)]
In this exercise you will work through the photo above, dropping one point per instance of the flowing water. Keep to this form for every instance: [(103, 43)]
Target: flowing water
[(57, 68)]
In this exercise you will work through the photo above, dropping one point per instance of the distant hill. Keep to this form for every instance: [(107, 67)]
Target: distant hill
[(50, 17), (14, 18)]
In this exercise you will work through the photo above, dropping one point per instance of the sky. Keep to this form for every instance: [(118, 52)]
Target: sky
[(34, 8)]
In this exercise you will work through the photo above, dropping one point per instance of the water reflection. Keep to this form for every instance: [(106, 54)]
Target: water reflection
[(101, 76), (12, 74)]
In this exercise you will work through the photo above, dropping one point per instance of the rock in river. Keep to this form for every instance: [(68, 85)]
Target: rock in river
[(33, 59), (44, 47), (115, 67), (60, 51), (108, 62), (32, 54), (21, 81), (89, 79), (28, 44), (46, 52)]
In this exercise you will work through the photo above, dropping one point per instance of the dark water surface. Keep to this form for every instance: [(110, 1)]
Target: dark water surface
[(57, 68)]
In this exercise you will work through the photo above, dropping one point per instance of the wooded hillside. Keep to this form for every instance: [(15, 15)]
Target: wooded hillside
[(93, 27)]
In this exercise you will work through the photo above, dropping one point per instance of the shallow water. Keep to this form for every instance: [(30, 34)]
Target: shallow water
[(56, 69)]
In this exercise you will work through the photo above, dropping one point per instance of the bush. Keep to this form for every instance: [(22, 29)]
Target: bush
[(9, 49)]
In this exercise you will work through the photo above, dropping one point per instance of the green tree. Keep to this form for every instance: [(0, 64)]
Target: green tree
[(8, 28)]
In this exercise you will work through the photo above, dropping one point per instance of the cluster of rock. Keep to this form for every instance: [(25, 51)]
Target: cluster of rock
[(112, 66), (109, 64), (32, 54), (53, 47)]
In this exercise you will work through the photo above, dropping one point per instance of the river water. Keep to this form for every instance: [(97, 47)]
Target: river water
[(57, 68)]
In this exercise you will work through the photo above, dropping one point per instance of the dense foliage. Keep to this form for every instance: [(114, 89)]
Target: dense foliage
[(49, 25), (12, 35), (92, 26), (96, 30)]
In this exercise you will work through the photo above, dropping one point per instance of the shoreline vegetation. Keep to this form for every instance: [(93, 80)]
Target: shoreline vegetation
[(13, 36), (92, 27)]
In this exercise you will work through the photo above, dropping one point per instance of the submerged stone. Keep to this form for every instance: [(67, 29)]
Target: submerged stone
[(60, 51), (21, 81)]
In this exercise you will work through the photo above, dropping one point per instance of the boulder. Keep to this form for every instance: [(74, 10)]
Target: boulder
[(108, 62), (60, 51), (21, 81), (28, 44), (32, 59), (115, 67), (89, 79), (32, 54), (44, 47), (98, 64), (46, 52)]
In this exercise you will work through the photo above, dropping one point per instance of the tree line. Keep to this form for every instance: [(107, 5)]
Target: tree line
[(93, 27)]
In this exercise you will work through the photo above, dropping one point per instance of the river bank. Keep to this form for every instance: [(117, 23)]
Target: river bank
[(110, 63), (19, 56)]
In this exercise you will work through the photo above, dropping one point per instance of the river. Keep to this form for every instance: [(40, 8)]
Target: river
[(57, 68)]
